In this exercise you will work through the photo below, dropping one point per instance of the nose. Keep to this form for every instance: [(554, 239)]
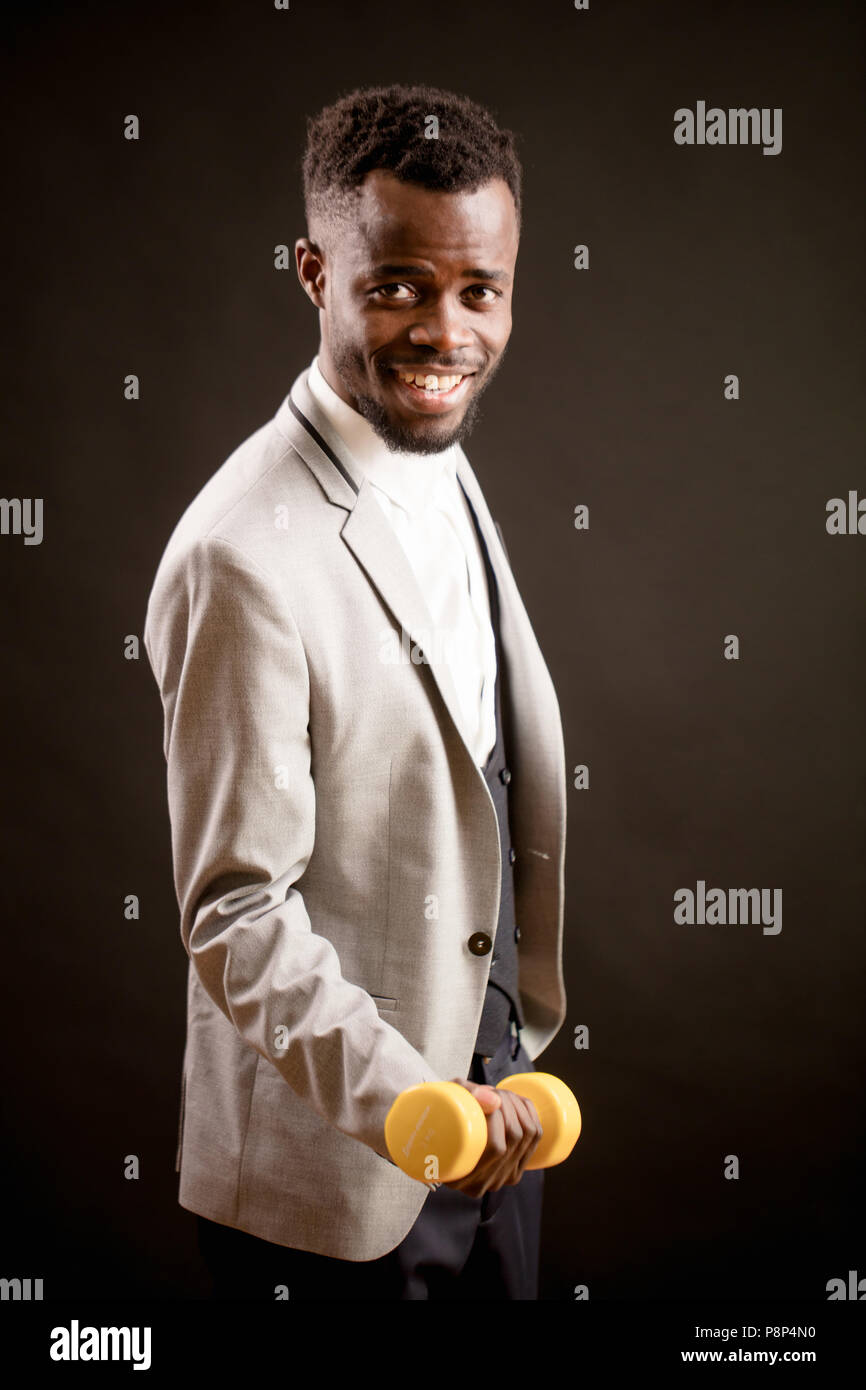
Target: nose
[(442, 325)]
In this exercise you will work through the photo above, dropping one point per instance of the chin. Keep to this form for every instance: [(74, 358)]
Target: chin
[(409, 441), (400, 436)]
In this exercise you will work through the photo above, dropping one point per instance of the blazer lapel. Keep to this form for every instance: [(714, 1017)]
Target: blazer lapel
[(366, 530)]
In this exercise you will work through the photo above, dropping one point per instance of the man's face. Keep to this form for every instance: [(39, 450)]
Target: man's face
[(421, 284)]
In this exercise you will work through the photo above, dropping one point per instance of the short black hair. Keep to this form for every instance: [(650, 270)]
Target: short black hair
[(384, 128)]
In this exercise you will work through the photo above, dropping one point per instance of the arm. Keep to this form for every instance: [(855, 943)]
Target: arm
[(231, 667)]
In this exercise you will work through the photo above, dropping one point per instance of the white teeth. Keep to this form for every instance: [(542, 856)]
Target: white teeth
[(429, 382)]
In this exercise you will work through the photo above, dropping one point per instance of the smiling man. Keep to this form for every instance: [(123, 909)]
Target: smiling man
[(366, 774), (417, 379)]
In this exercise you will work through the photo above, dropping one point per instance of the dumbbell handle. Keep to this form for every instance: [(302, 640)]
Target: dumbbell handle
[(437, 1131)]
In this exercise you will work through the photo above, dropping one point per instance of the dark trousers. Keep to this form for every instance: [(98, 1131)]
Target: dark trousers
[(460, 1247)]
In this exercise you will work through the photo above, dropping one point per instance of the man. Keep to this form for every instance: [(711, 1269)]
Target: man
[(366, 775)]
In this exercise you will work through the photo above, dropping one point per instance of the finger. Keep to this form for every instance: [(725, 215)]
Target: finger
[(487, 1096), (523, 1129), (516, 1138), (497, 1160), (497, 1139), (532, 1130), (489, 1166)]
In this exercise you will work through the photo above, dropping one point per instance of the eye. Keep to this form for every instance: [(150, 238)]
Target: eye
[(485, 289), (397, 285)]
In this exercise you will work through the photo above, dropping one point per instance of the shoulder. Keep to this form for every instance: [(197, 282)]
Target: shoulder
[(247, 513)]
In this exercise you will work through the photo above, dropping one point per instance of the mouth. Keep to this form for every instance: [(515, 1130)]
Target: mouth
[(429, 392)]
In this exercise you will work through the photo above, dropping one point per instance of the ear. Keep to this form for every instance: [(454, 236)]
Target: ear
[(310, 265)]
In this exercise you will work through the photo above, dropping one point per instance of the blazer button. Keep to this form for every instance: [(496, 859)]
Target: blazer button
[(512, 855), (479, 943), (516, 933), (505, 775)]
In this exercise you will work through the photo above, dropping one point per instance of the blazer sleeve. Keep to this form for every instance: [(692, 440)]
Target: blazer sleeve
[(232, 672)]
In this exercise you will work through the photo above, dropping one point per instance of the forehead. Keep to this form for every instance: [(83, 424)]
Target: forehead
[(398, 219)]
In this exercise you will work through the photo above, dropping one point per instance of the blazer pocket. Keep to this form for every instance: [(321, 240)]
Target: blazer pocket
[(382, 1001)]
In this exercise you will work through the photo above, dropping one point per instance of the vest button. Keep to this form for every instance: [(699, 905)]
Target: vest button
[(479, 943), (512, 855), (505, 775), (516, 933)]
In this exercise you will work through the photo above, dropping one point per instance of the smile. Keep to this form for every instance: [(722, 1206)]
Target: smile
[(432, 391), (429, 381)]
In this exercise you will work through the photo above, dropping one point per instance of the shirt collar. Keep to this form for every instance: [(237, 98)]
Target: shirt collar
[(410, 480)]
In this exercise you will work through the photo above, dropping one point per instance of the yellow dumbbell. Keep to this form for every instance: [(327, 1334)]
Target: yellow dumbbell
[(437, 1131)]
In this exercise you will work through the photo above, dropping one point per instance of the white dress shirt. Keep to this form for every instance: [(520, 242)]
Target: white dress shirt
[(424, 503)]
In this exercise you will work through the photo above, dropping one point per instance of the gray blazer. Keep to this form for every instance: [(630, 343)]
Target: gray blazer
[(334, 842)]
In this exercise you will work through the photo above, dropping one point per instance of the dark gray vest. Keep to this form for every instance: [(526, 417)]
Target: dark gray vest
[(502, 999)]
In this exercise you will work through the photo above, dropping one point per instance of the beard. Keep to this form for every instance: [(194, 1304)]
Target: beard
[(428, 437)]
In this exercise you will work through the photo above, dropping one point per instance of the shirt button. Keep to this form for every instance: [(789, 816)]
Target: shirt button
[(479, 943), (512, 855), (505, 775), (516, 933)]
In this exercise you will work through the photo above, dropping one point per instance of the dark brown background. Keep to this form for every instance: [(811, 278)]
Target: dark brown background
[(707, 517)]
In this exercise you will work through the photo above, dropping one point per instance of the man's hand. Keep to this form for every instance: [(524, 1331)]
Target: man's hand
[(513, 1130)]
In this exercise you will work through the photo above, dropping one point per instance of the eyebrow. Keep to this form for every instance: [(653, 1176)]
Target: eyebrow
[(421, 272)]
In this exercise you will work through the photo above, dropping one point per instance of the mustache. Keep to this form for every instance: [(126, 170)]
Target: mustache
[(465, 367)]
